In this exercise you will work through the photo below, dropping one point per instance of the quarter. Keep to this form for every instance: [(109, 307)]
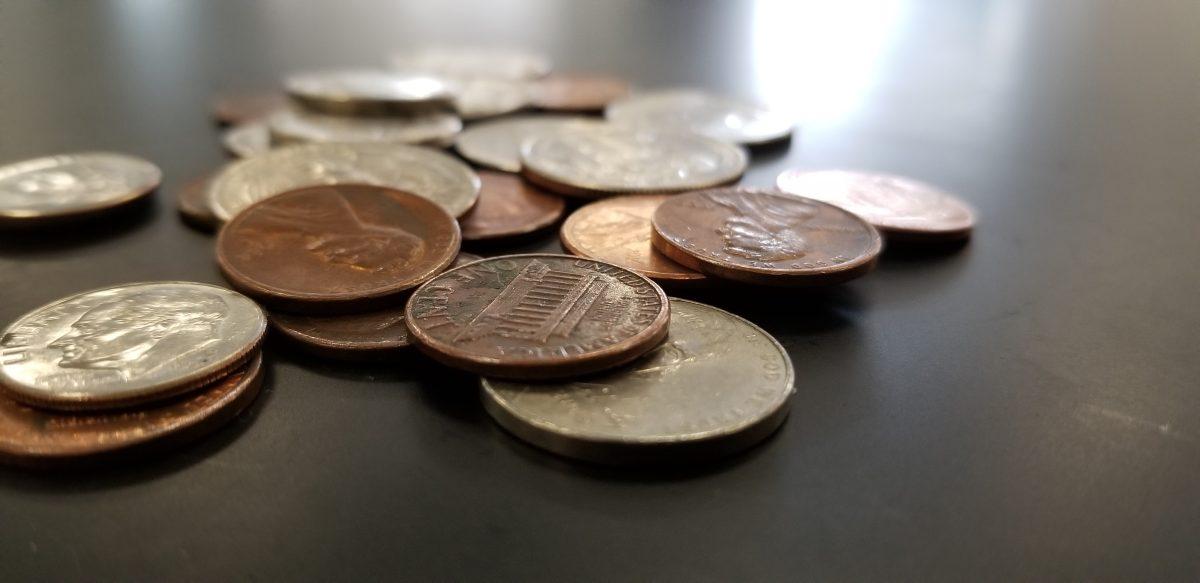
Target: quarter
[(722, 118), (292, 125), (72, 184), (509, 207), (497, 143)]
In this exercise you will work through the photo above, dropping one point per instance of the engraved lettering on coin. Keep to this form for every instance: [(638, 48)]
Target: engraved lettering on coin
[(70, 184), (722, 118)]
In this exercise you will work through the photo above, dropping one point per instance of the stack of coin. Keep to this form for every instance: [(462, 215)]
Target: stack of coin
[(126, 369)]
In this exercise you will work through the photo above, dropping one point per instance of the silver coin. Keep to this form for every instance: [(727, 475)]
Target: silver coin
[(717, 385), (480, 97), (597, 159), (421, 171), (723, 118), (364, 91), (293, 125), (497, 143), (247, 139), (474, 62), (70, 184), (127, 344)]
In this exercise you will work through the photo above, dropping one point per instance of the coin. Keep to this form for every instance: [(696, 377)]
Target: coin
[(509, 207), (490, 62), (39, 438), (764, 237), (497, 144), (578, 93), (292, 125), (721, 118), (367, 335), (537, 316), (239, 108), (718, 385), (367, 92), (127, 344), (67, 185), (465, 258), (478, 97), (336, 248), (903, 208), (194, 206), (617, 230), (595, 160), (248, 139), (421, 171)]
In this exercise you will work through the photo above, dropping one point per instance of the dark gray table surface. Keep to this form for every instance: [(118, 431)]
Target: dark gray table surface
[(1026, 408)]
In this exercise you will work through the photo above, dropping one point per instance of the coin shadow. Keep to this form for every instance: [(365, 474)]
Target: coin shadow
[(773, 150), (69, 233), (540, 241), (787, 311), (917, 252)]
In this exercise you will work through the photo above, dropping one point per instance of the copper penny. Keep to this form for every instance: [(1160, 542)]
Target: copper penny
[(537, 316), (577, 93), (765, 237), (509, 207), (237, 108), (617, 230), (336, 248), (903, 208), (194, 207), (41, 438)]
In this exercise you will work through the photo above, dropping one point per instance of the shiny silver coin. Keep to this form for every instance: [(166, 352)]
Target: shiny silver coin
[(497, 143), (364, 91), (421, 171), (294, 125), (247, 139), (474, 62), (593, 160), (127, 344), (723, 118), (717, 385), (73, 184), (480, 97)]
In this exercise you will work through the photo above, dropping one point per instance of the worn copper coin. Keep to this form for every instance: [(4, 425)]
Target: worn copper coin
[(40, 438), (537, 316), (765, 237), (617, 230), (238, 108), (193, 204), (903, 208), (367, 92), (577, 93), (68, 185), (509, 207), (247, 139), (336, 248)]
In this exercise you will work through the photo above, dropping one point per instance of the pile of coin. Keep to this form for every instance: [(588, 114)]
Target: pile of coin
[(345, 217)]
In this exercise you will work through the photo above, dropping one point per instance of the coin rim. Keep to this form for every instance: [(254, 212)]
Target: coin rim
[(327, 347), (18, 215), (694, 277), (359, 105)]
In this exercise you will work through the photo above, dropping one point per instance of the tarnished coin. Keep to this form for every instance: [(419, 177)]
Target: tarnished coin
[(537, 316), (509, 207), (239, 108), (903, 208), (718, 385), (578, 93), (595, 160), (293, 125), (764, 237), (617, 230), (72, 184), (721, 118), (248, 139), (497, 144), (473, 62), (422, 171), (39, 438), (194, 206), (479, 97), (336, 248), (127, 344), (367, 92)]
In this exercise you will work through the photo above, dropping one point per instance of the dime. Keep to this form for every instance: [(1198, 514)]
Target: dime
[(474, 62), (40, 438), (421, 171), (477, 98), (72, 184), (617, 230), (509, 207), (247, 139), (127, 345), (718, 385), (497, 144), (903, 208), (537, 316), (367, 92), (336, 248), (578, 93), (764, 237), (594, 160), (292, 125), (239, 108), (721, 118), (194, 206)]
